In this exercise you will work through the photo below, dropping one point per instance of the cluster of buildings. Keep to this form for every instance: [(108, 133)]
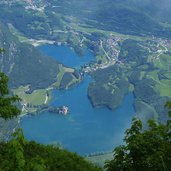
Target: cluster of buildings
[(63, 110)]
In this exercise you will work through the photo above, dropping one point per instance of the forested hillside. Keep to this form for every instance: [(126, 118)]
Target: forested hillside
[(24, 64), (128, 17)]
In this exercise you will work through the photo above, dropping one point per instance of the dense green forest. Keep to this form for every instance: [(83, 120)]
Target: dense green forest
[(139, 72), (20, 155), (20, 60), (109, 87)]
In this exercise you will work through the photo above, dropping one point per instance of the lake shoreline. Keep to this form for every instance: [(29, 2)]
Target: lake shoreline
[(87, 129)]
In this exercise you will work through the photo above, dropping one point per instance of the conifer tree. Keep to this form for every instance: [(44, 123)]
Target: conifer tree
[(148, 150), (8, 107)]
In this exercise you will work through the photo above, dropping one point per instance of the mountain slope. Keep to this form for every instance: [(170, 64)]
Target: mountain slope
[(132, 17), (24, 64)]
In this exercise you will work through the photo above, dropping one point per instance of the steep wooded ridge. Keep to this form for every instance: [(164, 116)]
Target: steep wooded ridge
[(24, 64)]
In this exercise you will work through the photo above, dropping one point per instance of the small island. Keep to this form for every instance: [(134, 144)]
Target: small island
[(64, 110)]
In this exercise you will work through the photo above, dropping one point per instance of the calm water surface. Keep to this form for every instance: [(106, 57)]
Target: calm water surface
[(67, 56), (86, 129)]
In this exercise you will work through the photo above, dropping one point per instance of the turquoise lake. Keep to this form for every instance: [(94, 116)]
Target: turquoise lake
[(86, 129)]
